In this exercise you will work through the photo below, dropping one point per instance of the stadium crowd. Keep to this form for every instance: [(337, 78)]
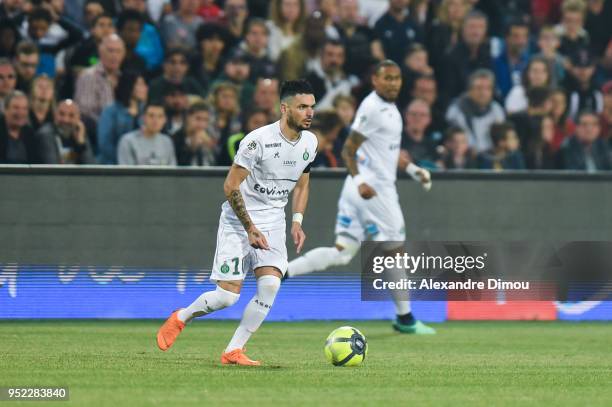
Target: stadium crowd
[(523, 84)]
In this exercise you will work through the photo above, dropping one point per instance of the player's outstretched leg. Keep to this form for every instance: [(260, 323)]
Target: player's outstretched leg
[(205, 304), (254, 314), (321, 258), (404, 321)]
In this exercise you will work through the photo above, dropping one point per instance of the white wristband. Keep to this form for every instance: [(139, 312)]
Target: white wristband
[(412, 169), (298, 217), (358, 179)]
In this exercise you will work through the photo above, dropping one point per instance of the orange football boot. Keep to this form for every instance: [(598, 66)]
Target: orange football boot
[(169, 331), (237, 357)]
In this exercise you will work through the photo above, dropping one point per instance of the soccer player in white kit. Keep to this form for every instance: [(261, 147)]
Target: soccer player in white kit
[(368, 208), (271, 162)]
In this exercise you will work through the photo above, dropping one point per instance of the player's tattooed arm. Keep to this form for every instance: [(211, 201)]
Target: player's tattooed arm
[(231, 187), (349, 151)]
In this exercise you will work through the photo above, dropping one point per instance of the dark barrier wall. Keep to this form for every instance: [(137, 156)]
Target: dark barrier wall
[(168, 217)]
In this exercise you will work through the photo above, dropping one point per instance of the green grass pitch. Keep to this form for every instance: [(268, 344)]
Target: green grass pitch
[(116, 363)]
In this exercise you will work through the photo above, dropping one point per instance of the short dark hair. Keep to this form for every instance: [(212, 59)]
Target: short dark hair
[(26, 47), (450, 132), (212, 30), (176, 51), (515, 22), (154, 104), (40, 13), (498, 131), (295, 87), (101, 16), (198, 107), (384, 64), (129, 15), (538, 95), (326, 121)]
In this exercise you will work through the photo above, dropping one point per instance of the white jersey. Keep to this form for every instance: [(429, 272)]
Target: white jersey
[(381, 123), (275, 164)]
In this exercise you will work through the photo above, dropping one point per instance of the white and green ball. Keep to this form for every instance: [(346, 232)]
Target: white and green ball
[(346, 346)]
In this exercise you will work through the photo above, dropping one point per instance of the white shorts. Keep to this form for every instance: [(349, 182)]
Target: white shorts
[(234, 256), (379, 218)]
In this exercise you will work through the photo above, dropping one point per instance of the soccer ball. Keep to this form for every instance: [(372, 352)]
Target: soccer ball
[(346, 346)]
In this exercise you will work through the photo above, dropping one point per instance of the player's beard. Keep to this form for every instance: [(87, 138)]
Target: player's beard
[(294, 124)]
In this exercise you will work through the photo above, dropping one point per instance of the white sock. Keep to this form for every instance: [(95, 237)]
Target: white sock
[(256, 311), (318, 259), (208, 302), (401, 298)]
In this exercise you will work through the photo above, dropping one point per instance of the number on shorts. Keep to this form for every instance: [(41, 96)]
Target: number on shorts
[(236, 261)]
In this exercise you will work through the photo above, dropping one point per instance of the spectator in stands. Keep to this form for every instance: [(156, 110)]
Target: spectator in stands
[(193, 145), (129, 27), (605, 117), (329, 12), (176, 104), (266, 98), (12, 10), (514, 57), (362, 47), (175, 69), (26, 63), (147, 145), (121, 117), (285, 25), (539, 151), (255, 48), (537, 74), (564, 126), (597, 24), (326, 125), (476, 110), (225, 113), (42, 102), (416, 141), (64, 141), (328, 78), (586, 151), (415, 65), (8, 80), (302, 55), (426, 88), (9, 37), (95, 86), (456, 153), (91, 11), (472, 52), (235, 16), (150, 44), (584, 94), (505, 154), (53, 34), (445, 30), (179, 28), (548, 42), (397, 31), (237, 72), (17, 143), (208, 63), (527, 122), (345, 106), (86, 52), (252, 120), (571, 30)]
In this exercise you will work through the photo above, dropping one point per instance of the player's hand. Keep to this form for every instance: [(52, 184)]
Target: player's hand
[(424, 178), (366, 191), (298, 236), (257, 239)]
